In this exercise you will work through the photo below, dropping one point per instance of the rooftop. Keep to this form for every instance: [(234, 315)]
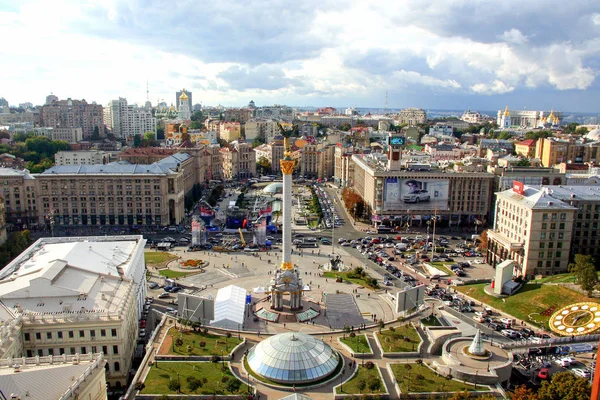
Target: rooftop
[(535, 198), (567, 193), (15, 172)]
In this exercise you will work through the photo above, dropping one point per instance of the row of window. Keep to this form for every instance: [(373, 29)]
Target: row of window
[(70, 334)]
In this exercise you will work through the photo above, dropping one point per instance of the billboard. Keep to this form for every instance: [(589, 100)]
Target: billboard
[(415, 194), (198, 231), (396, 140)]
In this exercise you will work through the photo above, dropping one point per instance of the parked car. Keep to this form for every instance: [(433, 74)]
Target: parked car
[(153, 285), (163, 295), (544, 373), (582, 372), (562, 362), (507, 321)]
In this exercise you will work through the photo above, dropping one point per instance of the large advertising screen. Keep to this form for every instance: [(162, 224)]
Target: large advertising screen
[(415, 194)]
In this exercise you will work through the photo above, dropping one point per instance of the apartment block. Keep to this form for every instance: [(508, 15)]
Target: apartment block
[(229, 131), (69, 135), (74, 114), (19, 194), (317, 160), (553, 151), (239, 161), (265, 130), (411, 117), (127, 120)]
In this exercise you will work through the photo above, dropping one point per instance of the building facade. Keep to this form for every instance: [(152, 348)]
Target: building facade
[(411, 116), (72, 301), (127, 120), (239, 161), (317, 160), (81, 157), (229, 131), (266, 130), (241, 115), (188, 99), (532, 228), (458, 199), (19, 193), (69, 135), (74, 114), (552, 151)]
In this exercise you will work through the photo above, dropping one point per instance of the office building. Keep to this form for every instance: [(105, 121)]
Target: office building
[(241, 115), (238, 160), (127, 120), (79, 296), (458, 199), (74, 114), (317, 160), (532, 228), (229, 131), (552, 151), (19, 194), (265, 130), (88, 157)]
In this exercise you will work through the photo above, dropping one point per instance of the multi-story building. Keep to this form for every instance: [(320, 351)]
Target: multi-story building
[(79, 297), (343, 165), (530, 176), (3, 234), (532, 228), (239, 161), (19, 196), (272, 152), (214, 162), (474, 117), (461, 199), (266, 130), (317, 160), (241, 115), (116, 194), (68, 377), (74, 114), (229, 131), (553, 151), (411, 116), (81, 157), (9, 161), (51, 98), (69, 135), (525, 148), (127, 120)]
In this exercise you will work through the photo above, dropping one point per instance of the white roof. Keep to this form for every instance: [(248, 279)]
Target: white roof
[(534, 198), (229, 306)]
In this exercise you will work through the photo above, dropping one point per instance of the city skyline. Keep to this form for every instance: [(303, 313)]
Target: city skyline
[(440, 55)]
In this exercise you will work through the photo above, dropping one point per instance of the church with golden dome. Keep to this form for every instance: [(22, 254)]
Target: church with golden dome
[(527, 119)]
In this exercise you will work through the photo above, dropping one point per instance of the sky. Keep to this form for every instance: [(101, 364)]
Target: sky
[(446, 54)]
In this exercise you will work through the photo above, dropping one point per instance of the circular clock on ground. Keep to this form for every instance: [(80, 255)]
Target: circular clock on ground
[(576, 319)]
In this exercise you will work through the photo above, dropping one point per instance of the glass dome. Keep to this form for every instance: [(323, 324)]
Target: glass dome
[(273, 188), (292, 358)]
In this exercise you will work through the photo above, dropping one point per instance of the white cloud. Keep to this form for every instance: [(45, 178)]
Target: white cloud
[(514, 36), (495, 87), (596, 19), (413, 77)]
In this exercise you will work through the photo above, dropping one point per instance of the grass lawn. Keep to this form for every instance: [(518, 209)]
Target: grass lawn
[(393, 341), (172, 274), (369, 378), (158, 257), (344, 276), (161, 373), (431, 321), (427, 381), (214, 344), (358, 344), (530, 302), (443, 267), (560, 278)]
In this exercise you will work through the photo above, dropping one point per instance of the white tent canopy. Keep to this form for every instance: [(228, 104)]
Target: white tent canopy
[(230, 304)]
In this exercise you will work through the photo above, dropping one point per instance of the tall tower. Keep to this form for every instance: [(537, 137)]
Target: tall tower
[(505, 121), (185, 112), (287, 278)]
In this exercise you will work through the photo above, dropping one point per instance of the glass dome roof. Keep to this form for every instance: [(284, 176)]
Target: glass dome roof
[(275, 187), (292, 357)]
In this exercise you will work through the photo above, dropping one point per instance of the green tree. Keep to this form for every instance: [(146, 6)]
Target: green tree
[(264, 164), (137, 140), (96, 133), (160, 133), (198, 116), (149, 136), (538, 134), (565, 385), (374, 383), (257, 141), (174, 385), (4, 134), (381, 325), (233, 385), (523, 162), (361, 385), (193, 383), (571, 128), (582, 130), (21, 137), (585, 272)]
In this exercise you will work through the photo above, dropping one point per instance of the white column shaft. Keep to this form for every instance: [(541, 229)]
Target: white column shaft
[(287, 218)]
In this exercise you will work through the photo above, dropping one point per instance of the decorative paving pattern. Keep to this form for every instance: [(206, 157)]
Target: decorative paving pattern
[(342, 311), (267, 315)]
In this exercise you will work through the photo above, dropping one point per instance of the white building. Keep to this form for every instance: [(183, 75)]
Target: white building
[(78, 296), (526, 119), (88, 157), (70, 135), (128, 120)]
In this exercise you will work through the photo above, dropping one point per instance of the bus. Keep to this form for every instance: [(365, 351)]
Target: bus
[(307, 245)]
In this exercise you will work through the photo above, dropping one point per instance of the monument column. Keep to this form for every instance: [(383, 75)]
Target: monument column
[(287, 168)]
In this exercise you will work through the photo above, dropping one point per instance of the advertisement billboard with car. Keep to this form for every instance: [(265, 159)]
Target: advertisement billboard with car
[(415, 194)]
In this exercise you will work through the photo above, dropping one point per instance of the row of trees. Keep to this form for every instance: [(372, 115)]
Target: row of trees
[(37, 151), (15, 244), (355, 204), (584, 269)]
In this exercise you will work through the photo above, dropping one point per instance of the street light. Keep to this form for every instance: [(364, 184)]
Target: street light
[(342, 379)]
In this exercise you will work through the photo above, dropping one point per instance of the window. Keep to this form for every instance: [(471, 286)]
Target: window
[(29, 353), (558, 254), (59, 334), (542, 245), (27, 337), (93, 333), (71, 335), (72, 350), (545, 217), (102, 332), (541, 255), (113, 332), (83, 350), (61, 351), (81, 333), (543, 235), (40, 352), (115, 349), (561, 225), (562, 235), (117, 367), (48, 335), (563, 216), (38, 336), (553, 225), (539, 264), (551, 245), (105, 350), (559, 245), (50, 352), (544, 225), (94, 349)]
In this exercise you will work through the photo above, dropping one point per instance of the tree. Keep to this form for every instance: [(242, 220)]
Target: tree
[(374, 383), (582, 130), (381, 325), (160, 133), (179, 341), (233, 385), (264, 164), (538, 134), (523, 393), (585, 272), (96, 133), (198, 116), (174, 385), (137, 140), (4, 134), (193, 383), (565, 385), (21, 137), (523, 162), (361, 385)]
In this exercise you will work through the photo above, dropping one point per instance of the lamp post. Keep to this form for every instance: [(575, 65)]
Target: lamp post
[(342, 380)]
